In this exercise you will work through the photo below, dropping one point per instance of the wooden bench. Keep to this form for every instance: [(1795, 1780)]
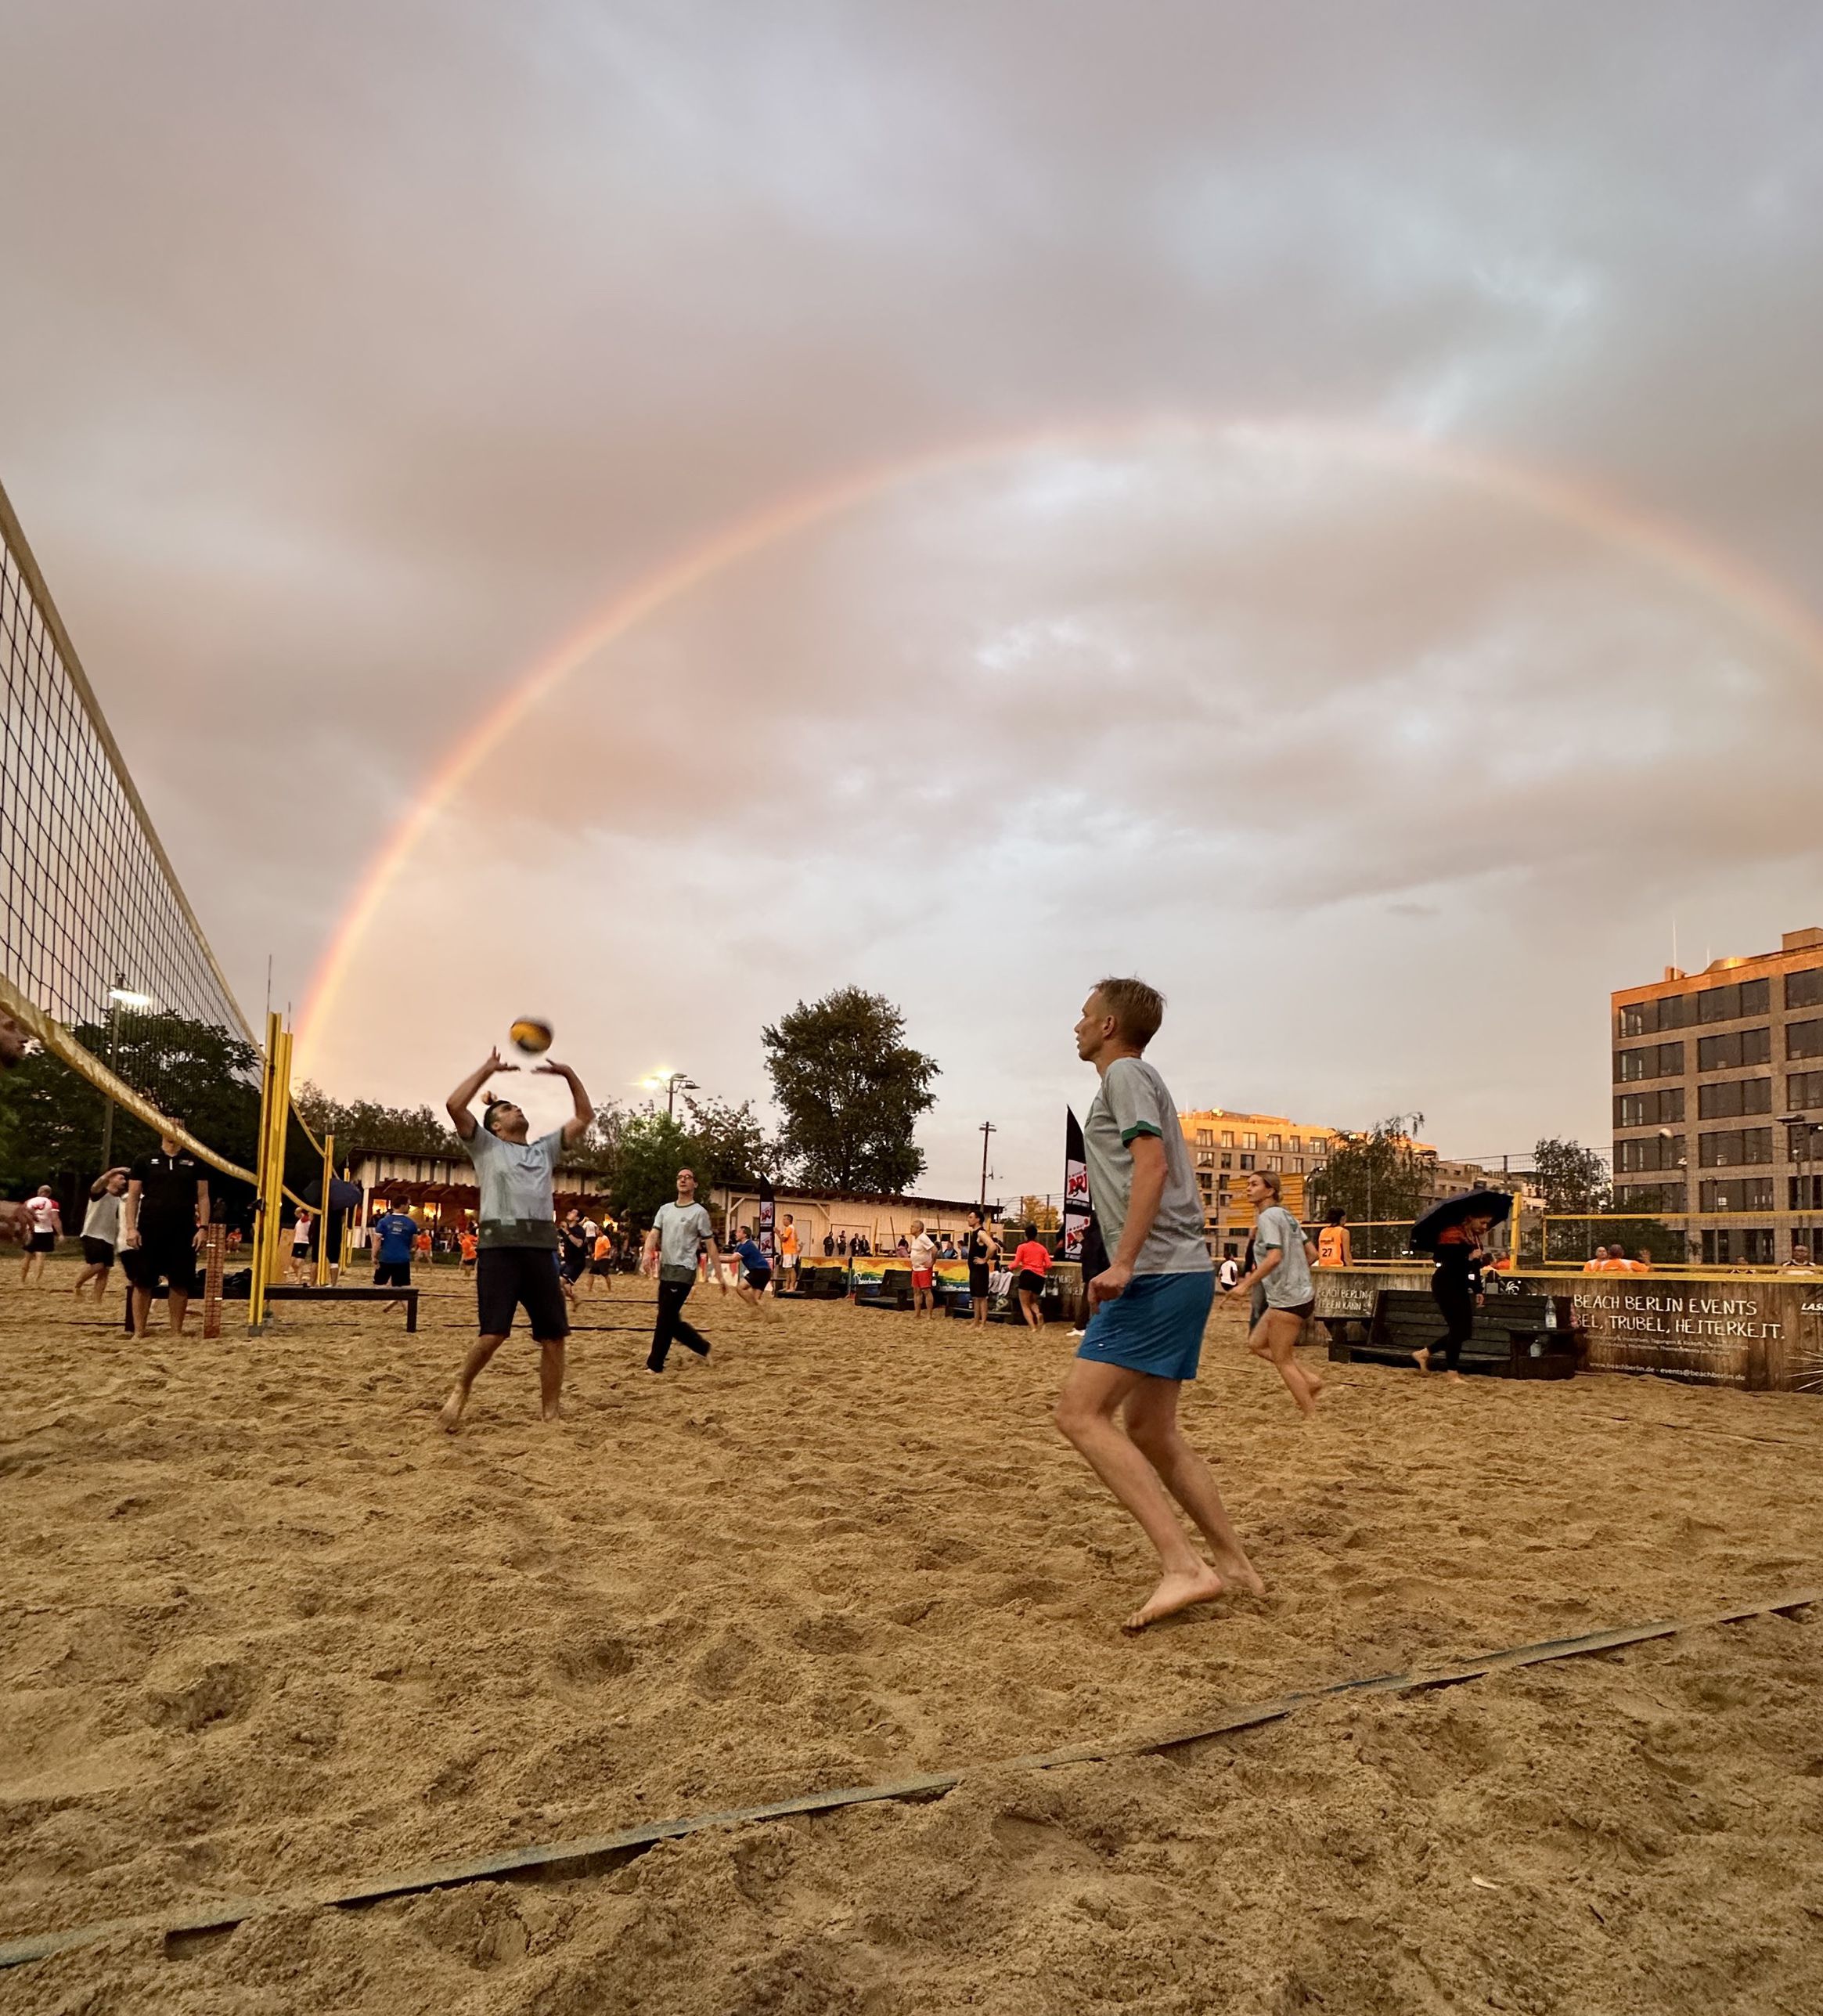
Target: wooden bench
[(1515, 1337), (292, 1292)]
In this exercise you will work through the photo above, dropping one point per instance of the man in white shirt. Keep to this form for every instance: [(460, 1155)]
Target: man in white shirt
[(46, 1222), (923, 1270), (680, 1235)]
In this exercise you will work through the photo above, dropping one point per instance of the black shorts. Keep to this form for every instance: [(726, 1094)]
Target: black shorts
[(98, 1252), (604, 1266), (977, 1280), (758, 1279), (575, 1266), (43, 1242), (510, 1278), (1302, 1310), (167, 1256), (392, 1274), (1031, 1281)]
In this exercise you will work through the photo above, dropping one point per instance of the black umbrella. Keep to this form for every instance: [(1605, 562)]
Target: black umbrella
[(1495, 1204)]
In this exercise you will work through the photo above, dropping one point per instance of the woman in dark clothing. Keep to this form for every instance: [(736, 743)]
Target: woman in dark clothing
[(981, 1249), (1457, 1286)]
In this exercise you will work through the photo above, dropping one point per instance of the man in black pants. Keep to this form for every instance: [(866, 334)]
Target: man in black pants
[(673, 1247), (161, 1227), (518, 1265)]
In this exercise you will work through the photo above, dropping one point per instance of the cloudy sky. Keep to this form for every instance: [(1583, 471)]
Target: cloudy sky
[(1315, 504)]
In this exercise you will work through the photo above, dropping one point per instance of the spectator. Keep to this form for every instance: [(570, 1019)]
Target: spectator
[(300, 1243), (45, 1222)]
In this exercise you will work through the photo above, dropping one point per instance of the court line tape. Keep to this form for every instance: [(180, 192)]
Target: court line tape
[(594, 1854)]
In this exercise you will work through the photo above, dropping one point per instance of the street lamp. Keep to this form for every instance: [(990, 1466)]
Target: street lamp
[(674, 1082), (119, 995)]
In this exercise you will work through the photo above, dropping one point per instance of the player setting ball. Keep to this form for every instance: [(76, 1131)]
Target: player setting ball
[(532, 1036)]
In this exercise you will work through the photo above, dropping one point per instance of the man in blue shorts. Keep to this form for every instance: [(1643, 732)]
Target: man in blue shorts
[(394, 1234), (1119, 1403)]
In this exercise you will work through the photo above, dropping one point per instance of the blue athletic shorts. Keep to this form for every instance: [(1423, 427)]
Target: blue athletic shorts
[(1155, 1327)]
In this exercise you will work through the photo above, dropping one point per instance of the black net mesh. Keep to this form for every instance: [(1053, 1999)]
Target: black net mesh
[(89, 901)]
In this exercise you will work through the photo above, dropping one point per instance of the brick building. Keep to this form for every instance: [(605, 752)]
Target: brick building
[(1718, 1101)]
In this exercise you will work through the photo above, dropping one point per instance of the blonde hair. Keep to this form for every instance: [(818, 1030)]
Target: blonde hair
[(1270, 1178), (1137, 1008)]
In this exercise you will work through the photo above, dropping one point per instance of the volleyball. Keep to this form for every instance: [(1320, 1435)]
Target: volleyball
[(532, 1036)]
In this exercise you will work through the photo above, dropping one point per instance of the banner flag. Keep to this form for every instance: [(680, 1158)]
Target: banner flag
[(765, 1229), (1074, 1221)]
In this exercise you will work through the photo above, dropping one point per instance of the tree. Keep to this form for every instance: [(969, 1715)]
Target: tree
[(851, 1090), (1570, 1176), (1038, 1211), (1375, 1177), (366, 1124), (653, 1148), (51, 1117), (733, 1142)]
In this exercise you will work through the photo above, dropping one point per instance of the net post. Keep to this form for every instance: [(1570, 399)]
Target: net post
[(322, 1216), (214, 1236)]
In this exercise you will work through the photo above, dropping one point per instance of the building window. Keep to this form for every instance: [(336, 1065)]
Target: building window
[(1247, 1162), (1273, 1141), (1652, 1150), (1227, 1162), (1729, 1003), (1734, 1145), (1806, 1193), (1716, 1247), (1745, 1046), (1227, 1140), (1804, 1088), (1732, 1097), (1649, 1196), (1738, 1193), (1660, 1108), (1803, 1039), (1757, 1240), (1250, 1141), (1804, 990), (1656, 1060)]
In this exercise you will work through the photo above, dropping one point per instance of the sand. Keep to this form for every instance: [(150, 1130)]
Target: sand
[(265, 1624)]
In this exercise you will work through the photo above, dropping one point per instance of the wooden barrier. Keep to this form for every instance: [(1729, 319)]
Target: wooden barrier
[(1762, 1332)]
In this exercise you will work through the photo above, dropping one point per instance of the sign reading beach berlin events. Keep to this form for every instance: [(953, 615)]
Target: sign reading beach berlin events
[(1073, 1222)]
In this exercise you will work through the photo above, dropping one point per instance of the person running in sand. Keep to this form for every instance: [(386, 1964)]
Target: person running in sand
[(1456, 1286), (518, 1229), (758, 1270), (681, 1232), (923, 1254), (1118, 1405), (1281, 1267), (101, 1231), (1031, 1259), (981, 1248)]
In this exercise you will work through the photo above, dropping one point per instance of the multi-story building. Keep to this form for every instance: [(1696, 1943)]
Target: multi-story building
[(1226, 1146), (1718, 1101)]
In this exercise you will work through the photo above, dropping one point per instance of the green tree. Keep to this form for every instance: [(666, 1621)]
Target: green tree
[(852, 1091), (51, 1117), (1374, 1177), (732, 1140), (1570, 1177), (653, 1148), (367, 1123)]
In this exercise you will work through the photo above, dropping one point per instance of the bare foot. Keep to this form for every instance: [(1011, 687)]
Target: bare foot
[(1311, 1380), (1176, 1592), (551, 1411), (451, 1415), (1421, 1357), (1452, 1379), (1240, 1574)]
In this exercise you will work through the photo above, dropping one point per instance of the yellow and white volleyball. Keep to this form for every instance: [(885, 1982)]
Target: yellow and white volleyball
[(532, 1036)]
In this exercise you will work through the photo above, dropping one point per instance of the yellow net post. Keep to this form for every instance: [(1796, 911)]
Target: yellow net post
[(323, 1217)]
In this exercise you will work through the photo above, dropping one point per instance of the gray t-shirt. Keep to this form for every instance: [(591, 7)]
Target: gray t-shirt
[(103, 1220), (682, 1229), (1132, 1100), (515, 1179), (1288, 1285)]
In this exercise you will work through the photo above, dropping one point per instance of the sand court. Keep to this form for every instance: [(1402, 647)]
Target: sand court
[(265, 1626)]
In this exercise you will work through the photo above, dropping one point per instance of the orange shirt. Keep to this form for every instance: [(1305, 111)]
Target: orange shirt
[(603, 1245), (1332, 1242), (788, 1240), (467, 1242), (1032, 1257)]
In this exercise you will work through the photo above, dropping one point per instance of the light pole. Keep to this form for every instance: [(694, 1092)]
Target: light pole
[(119, 995), (987, 1129), (674, 1082)]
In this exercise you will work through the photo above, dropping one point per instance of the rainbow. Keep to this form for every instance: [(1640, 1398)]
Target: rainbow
[(1581, 504)]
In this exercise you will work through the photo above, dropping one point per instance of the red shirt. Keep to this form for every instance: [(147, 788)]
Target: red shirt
[(1032, 1258)]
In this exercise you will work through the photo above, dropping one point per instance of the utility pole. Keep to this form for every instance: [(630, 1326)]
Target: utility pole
[(987, 1128)]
